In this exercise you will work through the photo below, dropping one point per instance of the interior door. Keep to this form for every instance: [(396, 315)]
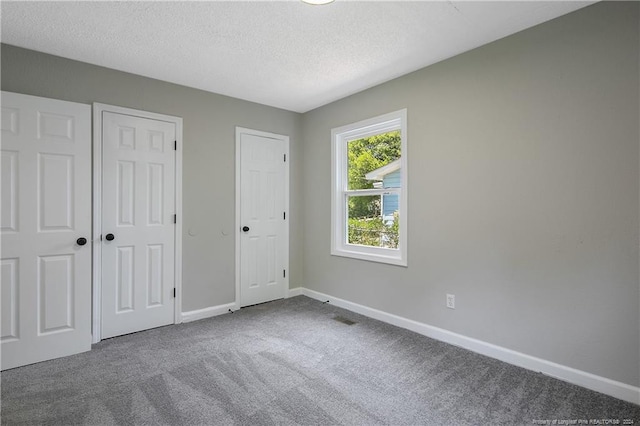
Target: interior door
[(263, 238), (138, 230), (45, 227)]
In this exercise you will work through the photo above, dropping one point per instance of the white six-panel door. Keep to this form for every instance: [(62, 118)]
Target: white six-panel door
[(138, 230), (46, 211), (263, 230)]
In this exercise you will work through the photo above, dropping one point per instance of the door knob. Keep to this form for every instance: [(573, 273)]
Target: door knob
[(81, 241), (109, 237), (245, 229)]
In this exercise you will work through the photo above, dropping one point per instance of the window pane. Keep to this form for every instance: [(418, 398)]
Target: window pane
[(374, 162), (367, 223)]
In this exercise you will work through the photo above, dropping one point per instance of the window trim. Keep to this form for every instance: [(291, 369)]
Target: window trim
[(340, 136)]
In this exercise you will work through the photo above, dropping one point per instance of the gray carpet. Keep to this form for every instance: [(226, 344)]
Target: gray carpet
[(290, 362)]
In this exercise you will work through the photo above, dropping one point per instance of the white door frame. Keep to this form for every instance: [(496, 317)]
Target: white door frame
[(285, 139), (98, 109)]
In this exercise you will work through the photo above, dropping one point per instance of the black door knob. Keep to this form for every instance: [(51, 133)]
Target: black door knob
[(81, 241), (109, 237), (245, 228)]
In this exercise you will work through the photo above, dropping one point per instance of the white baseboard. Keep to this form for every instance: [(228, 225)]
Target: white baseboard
[(293, 292), (213, 311), (578, 377), (209, 312)]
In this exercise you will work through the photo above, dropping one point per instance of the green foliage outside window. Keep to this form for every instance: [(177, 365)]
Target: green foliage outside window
[(368, 154), (366, 226), (374, 232)]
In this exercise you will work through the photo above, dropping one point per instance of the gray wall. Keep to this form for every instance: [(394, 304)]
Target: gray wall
[(523, 194), (209, 156)]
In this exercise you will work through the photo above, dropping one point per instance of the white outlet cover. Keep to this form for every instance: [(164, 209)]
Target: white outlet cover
[(451, 301)]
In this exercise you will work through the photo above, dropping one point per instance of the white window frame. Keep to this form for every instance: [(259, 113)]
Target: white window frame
[(340, 136)]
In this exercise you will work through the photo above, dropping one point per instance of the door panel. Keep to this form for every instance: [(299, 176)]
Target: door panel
[(10, 308), (138, 199), (46, 207), (55, 293), (55, 198), (262, 208), (9, 212)]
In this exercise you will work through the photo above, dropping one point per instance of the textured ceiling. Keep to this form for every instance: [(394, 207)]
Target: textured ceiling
[(285, 54)]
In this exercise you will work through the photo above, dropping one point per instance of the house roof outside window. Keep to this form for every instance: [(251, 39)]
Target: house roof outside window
[(380, 173)]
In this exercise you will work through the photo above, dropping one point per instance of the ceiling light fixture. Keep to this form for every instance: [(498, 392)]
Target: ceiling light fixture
[(317, 2)]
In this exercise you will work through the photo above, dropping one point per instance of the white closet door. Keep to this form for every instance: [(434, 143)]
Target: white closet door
[(263, 241), (45, 224), (138, 230)]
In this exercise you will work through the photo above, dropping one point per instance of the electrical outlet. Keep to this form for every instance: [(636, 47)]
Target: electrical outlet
[(451, 301)]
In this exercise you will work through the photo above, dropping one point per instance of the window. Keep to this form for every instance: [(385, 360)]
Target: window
[(369, 187)]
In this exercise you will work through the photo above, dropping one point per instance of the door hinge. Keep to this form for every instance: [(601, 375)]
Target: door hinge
[(284, 273), (174, 292), (175, 218), (285, 158), (175, 145)]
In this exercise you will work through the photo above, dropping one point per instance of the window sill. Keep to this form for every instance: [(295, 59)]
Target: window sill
[(370, 257)]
